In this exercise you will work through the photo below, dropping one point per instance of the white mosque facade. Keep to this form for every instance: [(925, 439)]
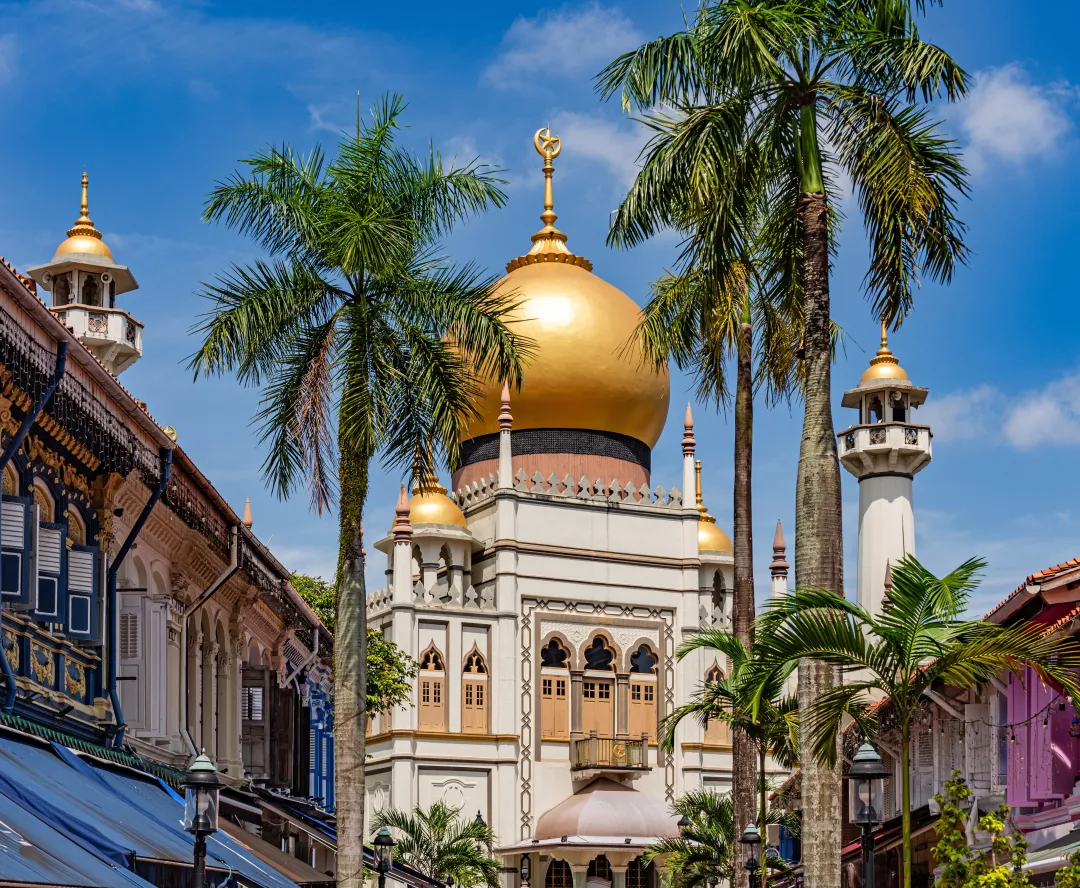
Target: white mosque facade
[(545, 598)]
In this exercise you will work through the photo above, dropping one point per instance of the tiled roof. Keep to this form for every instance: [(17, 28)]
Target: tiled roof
[(172, 776), (1041, 576)]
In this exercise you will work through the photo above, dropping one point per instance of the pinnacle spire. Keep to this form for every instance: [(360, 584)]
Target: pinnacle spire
[(246, 520), (779, 565), (84, 226), (688, 442)]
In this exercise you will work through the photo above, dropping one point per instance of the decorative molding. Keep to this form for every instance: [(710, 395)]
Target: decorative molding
[(577, 633)]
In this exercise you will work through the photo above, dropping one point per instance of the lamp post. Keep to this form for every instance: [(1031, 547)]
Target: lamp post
[(384, 853), (201, 788), (752, 838), (866, 804)]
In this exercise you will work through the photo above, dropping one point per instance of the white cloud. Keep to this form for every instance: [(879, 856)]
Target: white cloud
[(560, 44), (610, 143), (1050, 415), (1006, 118), (962, 415), (8, 54)]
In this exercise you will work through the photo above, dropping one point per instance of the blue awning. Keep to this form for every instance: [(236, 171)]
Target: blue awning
[(114, 815), (33, 852)]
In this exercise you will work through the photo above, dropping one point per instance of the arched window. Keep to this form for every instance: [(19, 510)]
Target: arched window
[(877, 412), (474, 694), (717, 731), (554, 685), (599, 868), (899, 406), (76, 527), (719, 591), (432, 684), (559, 875), (10, 485), (44, 501), (638, 875), (642, 709), (598, 694)]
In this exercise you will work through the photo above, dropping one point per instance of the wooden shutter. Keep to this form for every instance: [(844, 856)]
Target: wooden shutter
[(49, 590), (597, 707), (474, 706), (253, 733), (15, 533), (432, 700), (642, 710), (83, 596)]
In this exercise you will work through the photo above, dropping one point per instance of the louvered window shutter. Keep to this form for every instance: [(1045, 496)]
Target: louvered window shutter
[(15, 534), (49, 600), (83, 583), (129, 636)]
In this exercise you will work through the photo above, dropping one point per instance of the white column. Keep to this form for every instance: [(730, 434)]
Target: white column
[(194, 684), (506, 465), (886, 533), (207, 734), (401, 557), (688, 460)]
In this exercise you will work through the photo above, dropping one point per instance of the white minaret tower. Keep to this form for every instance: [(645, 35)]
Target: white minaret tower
[(84, 282), (884, 450)]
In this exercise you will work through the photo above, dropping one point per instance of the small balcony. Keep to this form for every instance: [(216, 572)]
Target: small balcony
[(894, 447), (114, 336), (596, 754)]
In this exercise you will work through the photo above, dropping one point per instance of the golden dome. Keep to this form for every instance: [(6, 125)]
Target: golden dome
[(582, 373), (429, 504), (83, 237), (884, 364), (710, 538)]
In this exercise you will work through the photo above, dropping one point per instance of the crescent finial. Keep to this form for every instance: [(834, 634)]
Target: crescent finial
[(547, 146)]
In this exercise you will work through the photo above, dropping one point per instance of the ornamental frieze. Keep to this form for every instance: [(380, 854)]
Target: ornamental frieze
[(42, 665), (11, 648), (75, 681)]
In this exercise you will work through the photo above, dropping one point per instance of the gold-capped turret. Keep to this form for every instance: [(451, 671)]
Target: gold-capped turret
[(710, 537), (83, 237), (884, 364)]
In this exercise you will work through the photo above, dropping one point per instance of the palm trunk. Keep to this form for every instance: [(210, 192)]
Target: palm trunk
[(350, 668), (905, 799), (764, 881), (818, 529), (743, 750)]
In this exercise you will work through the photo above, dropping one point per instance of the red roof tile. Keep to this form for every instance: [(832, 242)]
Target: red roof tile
[(1041, 576)]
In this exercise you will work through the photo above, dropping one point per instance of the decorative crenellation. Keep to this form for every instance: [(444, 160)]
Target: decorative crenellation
[(582, 489)]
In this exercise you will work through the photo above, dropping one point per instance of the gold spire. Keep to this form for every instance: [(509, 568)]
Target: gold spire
[(884, 364), (710, 537), (84, 225), (549, 244)]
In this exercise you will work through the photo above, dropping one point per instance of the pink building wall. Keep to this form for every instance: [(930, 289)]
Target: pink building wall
[(1044, 760)]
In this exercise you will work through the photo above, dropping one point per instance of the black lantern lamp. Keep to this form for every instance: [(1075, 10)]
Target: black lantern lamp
[(866, 803), (524, 871), (201, 788), (384, 853), (752, 838), (683, 824)]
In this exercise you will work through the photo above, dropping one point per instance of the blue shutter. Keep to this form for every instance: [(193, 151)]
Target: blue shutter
[(49, 589), (83, 577), (15, 535)]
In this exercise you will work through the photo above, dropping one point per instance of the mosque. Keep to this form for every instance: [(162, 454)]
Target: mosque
[(545, 597)]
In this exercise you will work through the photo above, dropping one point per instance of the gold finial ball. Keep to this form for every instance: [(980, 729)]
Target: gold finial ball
[(170, 432)]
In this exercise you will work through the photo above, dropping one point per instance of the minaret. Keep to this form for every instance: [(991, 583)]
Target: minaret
[(689, 473), (506, 456), (84, 282), (401, 556), (779, 566), (884, 450)]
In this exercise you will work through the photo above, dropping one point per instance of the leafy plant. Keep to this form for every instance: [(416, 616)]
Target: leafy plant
[(440, 842)]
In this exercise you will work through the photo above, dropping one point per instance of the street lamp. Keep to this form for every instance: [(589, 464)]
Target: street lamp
[(201, 788), (866, 803), (525, 871), (683, 824), (752, 838), (384, 853)]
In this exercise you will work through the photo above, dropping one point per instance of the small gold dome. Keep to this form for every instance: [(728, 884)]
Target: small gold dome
[(429, 504), (884, 364), (710, 538), (83, 237), (585, 371)]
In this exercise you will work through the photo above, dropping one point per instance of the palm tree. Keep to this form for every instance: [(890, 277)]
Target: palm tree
[(706, 851), (701, 319), (777, 98), (751, 699), (440, 843), (920, 640), (361, 338)]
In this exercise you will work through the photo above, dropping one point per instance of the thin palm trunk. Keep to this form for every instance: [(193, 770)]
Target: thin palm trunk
[(905, 798), (818, 530), (743, 753), (763, 821), (350, 668)]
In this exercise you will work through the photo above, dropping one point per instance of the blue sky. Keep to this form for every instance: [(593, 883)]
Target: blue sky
[(158, 100)]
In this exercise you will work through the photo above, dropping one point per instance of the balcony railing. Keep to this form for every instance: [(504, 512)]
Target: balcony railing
[(609, 754)]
